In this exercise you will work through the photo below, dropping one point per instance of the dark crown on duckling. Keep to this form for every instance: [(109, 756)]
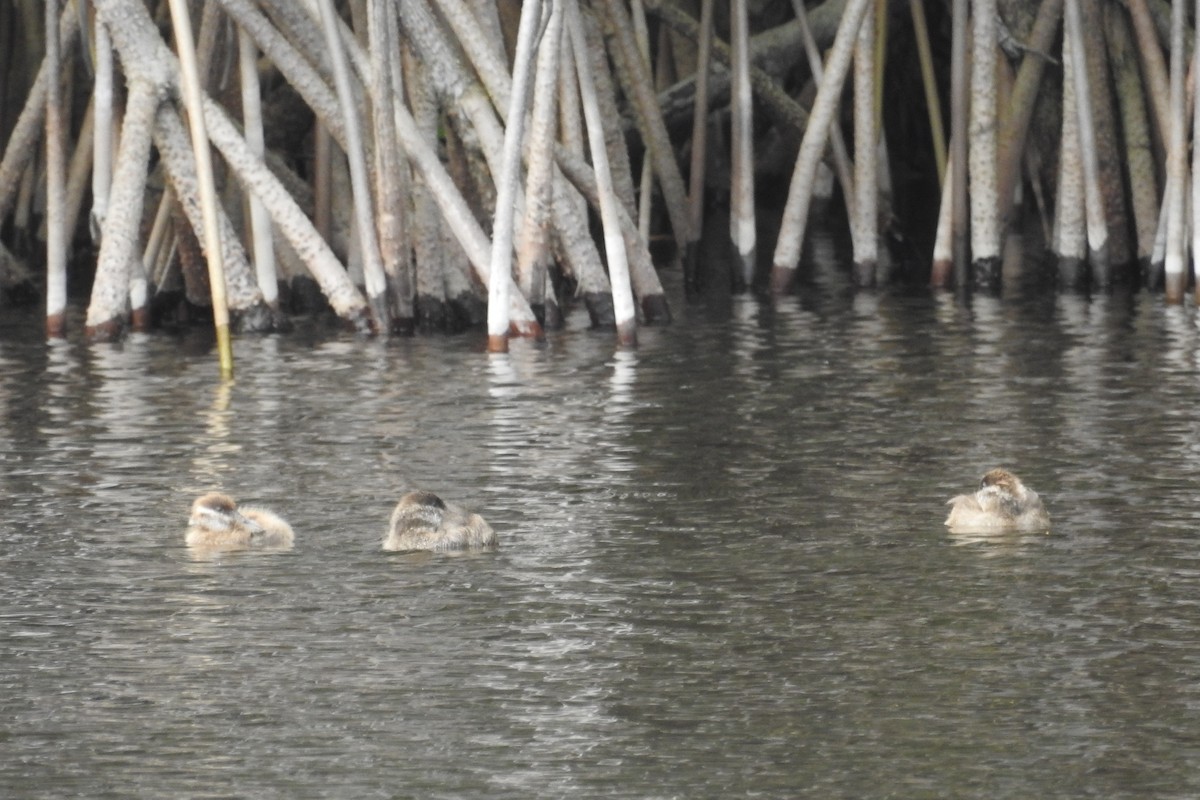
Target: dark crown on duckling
[(423, 506), (1002, 478)]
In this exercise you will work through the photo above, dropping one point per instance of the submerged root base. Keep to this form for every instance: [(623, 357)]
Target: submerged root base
[(782, 279), (691, 266), (1102, 271), (655, 310), (304, 296), (985, 273), (600, 309), (361, 321), (56, 326), (469, 311), (255, 319), (107, 331), (525, 330), (864, 274), (1072, 273), (627, 334), (747, 267), (430, 313), (552, 317), (403, 326)]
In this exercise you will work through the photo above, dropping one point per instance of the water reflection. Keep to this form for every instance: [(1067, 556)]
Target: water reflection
[(217, 449), (618, 453), (65, 441), (723, 568), (1002, 544)]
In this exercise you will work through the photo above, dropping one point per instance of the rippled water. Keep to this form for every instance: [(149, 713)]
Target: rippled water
[(723, 568)]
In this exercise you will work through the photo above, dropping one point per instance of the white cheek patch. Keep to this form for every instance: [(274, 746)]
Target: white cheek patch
[(212, 520)]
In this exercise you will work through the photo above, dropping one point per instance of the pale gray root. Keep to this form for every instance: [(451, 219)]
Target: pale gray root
[(864, 225), (614, 245), (108, 308), (981, 158), (533, 244), (430, 309), (742, 227), (614, 134), (56, 184), (508, 176), (356, 155), (578, 253), (639, 86), (816, 136), (389, 200), (345, 299), (243, 297), (22, 140), (1143, 183)]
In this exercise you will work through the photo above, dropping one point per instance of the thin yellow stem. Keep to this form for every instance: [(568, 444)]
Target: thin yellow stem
[(193, 101)]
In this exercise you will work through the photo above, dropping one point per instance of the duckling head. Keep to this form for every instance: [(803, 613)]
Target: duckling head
[(218, 512)]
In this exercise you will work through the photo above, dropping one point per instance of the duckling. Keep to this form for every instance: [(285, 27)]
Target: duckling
[(1002, 503), (423, 521), (217, 522)]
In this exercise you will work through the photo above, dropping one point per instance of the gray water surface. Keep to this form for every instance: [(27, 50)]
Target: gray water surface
[(723, 568)]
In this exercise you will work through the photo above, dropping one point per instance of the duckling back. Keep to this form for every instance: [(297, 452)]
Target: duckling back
[(276, 532), (1003, 502), (423, 521)]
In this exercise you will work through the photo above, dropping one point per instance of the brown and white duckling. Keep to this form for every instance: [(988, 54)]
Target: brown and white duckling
[(1002, 503), (423, 521), (217, 522)]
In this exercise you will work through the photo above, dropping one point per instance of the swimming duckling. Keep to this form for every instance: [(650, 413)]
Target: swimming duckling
[(217, 522), (1002, 503), (423, 521)]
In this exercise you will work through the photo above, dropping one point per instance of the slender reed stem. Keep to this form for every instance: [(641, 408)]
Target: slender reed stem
[(932, 102), (190, 79)]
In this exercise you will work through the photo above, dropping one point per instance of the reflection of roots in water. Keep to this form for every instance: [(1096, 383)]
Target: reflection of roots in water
[(211, 462), (518, 427)]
